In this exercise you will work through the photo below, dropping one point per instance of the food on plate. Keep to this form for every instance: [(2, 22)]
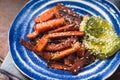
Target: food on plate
[(100, 37), (70, 27), (53, 12), (59, 46), (44, 26), (61, 36)]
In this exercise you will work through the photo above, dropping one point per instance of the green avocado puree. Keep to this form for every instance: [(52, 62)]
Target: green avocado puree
[(100, 37)]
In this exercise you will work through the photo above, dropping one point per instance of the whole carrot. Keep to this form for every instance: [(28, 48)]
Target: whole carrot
[(44, 26), (49, 14), (32, 35), (66, 34), (58, 46), (41, 43), (49, 24), (66, 52), (64, 28)]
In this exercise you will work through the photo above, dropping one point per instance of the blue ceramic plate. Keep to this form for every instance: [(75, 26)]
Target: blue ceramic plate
[(34, 66)]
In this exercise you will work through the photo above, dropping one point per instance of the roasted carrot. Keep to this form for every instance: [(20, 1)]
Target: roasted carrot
[(49, 24), (27, 45), (45, 55), (69, 61), (66, 52), (49, 14), (32, 35), (56, 65), (69, 15), (41, 43), (81, 51), (70, 27), (90, 57), (67, 10), (59, 46), (72, 39), (78, 65), (66, 34), (40, 27)]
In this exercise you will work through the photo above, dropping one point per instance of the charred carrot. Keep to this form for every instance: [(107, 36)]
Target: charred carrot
[(64, 28), (56, 65), (27, 45), (41, 43), (66, 52), (81, 51), (66, 34), (69, 61), (49, 14), (45, 55), (58, 46), (49, 24), (78, 65), (44, 26), (32, 35)]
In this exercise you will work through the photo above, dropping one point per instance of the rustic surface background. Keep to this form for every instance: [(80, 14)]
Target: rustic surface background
[(8, 11)]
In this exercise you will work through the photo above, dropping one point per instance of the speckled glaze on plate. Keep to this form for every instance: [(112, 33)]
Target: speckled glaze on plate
[(34, 66)]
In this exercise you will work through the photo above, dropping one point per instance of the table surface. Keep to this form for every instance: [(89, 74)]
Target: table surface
[(8, 11)]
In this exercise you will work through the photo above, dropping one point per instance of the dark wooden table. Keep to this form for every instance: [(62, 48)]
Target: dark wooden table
[(8, 11)]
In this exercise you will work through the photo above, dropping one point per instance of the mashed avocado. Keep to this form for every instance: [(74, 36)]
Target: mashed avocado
[(100, 37)]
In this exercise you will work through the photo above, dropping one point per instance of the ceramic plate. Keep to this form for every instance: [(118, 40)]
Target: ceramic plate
[(34, 66)]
